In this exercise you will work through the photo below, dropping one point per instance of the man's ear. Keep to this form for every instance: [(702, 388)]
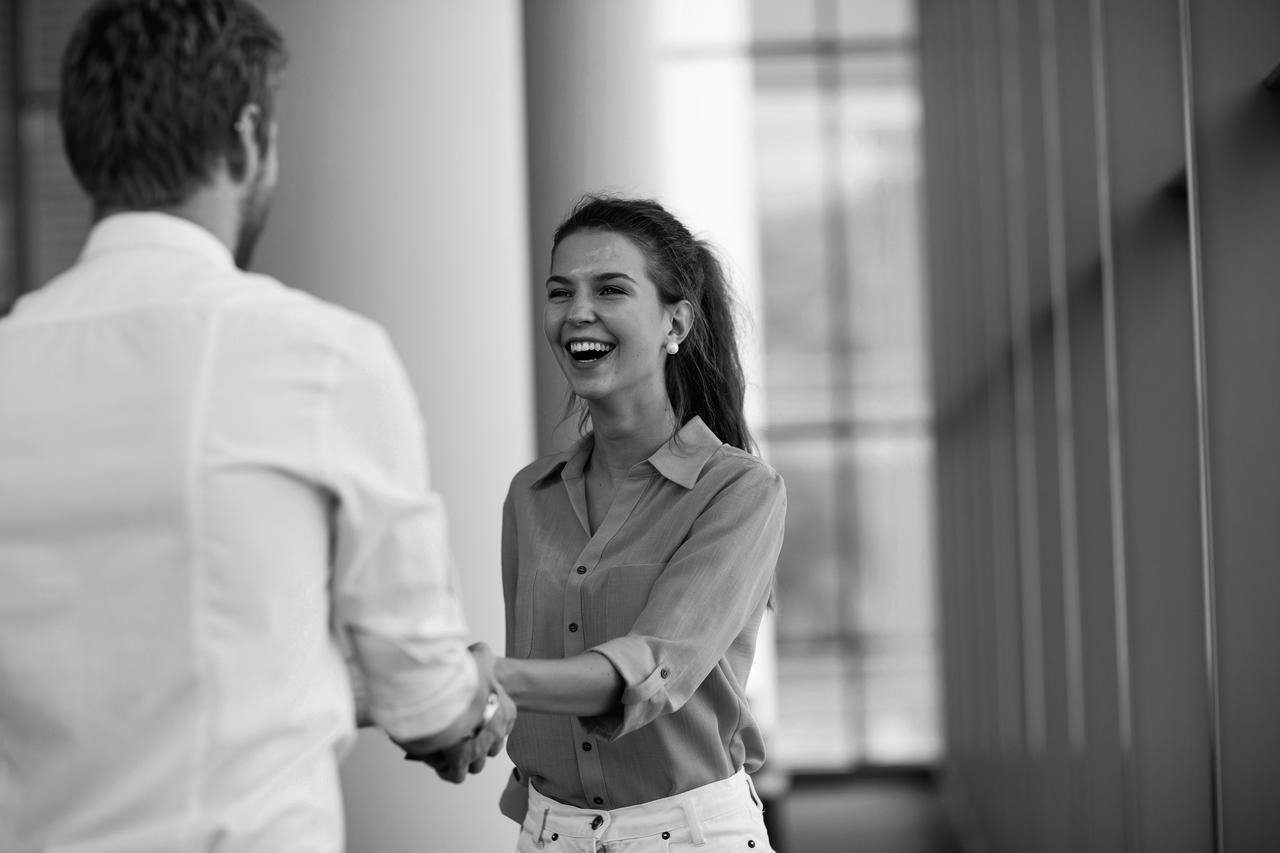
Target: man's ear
[(250, 154)]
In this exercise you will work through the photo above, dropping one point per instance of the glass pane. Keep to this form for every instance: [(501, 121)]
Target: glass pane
[(809, 568), (794, 257), (893, 515), (900, 686), (880, 167), (815, 707), (895, 621), (869, 19), (847, 420), (783, 20)]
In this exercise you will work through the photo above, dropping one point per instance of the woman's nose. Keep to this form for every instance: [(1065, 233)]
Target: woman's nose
[(581, 310)]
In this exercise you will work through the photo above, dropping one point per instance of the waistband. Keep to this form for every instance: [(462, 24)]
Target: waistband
[(546, 816)]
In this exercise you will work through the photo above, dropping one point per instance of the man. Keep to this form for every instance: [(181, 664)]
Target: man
[(215, 519)]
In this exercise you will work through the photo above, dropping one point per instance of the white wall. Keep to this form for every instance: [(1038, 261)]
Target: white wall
[(402, 196)]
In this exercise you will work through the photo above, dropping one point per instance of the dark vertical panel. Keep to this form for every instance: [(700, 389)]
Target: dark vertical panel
[(941, 59), (1067, 735), (957, 419), (1237, 137), (1153, 315), (1013, 799), (977, 335), (967, 357), (1034, 337), (13, 232), (1022, 242), (1098, 784), (56, 212), (1208, 575), (990, 391)]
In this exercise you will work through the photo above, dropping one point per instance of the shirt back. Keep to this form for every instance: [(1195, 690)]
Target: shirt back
[(167, 673)]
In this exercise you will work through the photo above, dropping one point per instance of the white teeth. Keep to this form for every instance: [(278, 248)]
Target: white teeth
[(589, 346)]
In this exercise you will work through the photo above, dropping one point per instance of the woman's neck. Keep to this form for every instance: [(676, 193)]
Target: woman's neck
[(625, 437)]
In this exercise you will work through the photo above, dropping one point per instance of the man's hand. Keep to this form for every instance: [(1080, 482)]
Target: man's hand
[(469, 754)]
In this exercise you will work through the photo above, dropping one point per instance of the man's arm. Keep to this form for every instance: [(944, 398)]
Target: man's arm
[(461, 749), (394, 591)]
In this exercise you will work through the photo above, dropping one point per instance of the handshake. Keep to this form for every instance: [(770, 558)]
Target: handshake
[(495, 712)]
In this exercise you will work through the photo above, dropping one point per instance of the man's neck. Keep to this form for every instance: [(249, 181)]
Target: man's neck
[(214, 211), (215, 207)]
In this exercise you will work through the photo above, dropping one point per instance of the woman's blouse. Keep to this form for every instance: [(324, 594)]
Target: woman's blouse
[(670, 588)]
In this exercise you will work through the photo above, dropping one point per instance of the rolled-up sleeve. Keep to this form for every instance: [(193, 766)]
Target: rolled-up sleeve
[(396, 607), (510, 570), (715, 584)]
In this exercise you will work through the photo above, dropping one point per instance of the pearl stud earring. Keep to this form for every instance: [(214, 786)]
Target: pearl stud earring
[(673, 348)]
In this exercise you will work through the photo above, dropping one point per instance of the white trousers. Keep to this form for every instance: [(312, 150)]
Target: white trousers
[(722, 816)]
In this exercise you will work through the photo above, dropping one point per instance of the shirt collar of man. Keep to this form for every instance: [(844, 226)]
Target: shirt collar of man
[(132, 229), (680, 460)]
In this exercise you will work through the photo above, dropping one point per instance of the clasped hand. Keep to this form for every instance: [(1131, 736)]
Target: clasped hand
[(468, 755)]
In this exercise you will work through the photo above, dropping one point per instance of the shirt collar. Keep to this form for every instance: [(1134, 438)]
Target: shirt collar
[(132, 229), (680, 460)]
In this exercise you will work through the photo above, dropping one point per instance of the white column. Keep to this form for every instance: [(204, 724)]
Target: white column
[(591, 88), (402, 196)]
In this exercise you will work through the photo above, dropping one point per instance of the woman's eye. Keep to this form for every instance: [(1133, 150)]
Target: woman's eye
[(610, 290), (557, 293)]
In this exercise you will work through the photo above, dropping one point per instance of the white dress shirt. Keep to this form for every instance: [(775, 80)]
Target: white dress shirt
[(213, 503)]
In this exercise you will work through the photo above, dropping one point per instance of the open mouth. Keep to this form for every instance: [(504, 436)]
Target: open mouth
[(586, 352)]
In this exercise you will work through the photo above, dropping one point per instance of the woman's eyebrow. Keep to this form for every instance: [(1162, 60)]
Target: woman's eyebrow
[(606, 276), (603, 276)]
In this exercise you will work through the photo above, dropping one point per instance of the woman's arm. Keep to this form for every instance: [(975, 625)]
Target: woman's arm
[(586, 685)]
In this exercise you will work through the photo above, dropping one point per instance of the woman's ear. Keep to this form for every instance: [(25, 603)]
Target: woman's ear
[(681, 321)]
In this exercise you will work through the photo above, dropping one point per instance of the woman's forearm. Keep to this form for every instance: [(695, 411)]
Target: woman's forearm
[(586, 685)]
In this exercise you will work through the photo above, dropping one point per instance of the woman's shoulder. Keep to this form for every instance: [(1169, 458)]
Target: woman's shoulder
[(541, 469), (730, 465)]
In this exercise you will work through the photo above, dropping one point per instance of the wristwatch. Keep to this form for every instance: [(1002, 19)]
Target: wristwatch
[(491, 706)]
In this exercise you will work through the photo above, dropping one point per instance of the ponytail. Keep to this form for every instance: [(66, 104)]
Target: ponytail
[(705, 379)]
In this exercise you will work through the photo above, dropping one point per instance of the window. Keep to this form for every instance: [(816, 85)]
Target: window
[(847, 418)]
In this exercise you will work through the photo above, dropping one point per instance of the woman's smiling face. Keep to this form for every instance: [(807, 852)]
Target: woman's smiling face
[(605, 320)]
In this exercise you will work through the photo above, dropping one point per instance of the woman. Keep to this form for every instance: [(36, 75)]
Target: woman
[(637, 565)]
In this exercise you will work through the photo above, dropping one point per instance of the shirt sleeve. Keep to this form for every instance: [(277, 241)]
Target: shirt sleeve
[(510, 569), (396, 605), (724, 568)]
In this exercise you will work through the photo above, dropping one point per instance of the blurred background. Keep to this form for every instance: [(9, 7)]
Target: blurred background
[(1009, 268)]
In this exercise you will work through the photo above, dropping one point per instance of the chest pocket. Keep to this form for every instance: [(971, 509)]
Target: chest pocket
[(626, 592)]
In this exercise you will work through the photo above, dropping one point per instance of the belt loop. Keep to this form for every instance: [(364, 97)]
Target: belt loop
[(755, 795), (694, 824), (540, 843)]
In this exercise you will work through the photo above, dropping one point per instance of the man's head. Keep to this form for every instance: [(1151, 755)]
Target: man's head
[(161, 97)]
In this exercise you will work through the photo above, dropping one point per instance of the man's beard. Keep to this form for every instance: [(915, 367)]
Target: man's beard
[(254, 208)]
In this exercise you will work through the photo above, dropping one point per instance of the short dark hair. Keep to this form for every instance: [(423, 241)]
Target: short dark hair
[(706, 378), (151, 91)]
